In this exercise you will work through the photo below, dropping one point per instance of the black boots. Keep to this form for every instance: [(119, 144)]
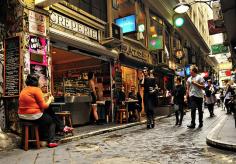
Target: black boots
[(191, 126), (151, 124)]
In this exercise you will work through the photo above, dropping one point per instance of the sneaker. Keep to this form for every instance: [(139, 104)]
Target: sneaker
[(67, 129), (52, 145)]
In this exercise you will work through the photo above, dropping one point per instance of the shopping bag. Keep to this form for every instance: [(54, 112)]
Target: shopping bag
[(176, 107)]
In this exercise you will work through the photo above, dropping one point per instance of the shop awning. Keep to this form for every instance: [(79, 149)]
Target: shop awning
[(133, 63), (85, 46), (164, 69)]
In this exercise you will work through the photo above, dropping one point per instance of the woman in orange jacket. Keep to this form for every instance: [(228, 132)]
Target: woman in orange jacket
[(31, 107)]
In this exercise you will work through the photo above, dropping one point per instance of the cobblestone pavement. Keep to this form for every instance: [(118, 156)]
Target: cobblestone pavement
[(165, 143)]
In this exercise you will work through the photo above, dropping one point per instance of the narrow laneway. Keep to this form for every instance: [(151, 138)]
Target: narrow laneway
[(164, 144)]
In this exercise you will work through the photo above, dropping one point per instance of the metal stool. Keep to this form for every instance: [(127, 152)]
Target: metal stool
[(25, 127)]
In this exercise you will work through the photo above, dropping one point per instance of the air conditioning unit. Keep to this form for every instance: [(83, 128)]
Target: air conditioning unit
[(113, 36)]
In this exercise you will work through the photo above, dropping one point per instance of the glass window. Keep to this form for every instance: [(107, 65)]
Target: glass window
[(97, 8)]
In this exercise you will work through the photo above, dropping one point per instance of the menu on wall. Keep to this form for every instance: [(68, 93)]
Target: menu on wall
[(12, 67), (75, 86)]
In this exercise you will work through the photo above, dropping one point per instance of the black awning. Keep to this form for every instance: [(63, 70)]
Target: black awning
[(133, 63), (164, 69)]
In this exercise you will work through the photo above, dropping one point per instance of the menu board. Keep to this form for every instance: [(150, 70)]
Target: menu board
[(75, 86), (12, 67)]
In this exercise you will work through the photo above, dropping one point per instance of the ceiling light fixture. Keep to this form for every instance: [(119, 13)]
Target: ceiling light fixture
[(183, 7)]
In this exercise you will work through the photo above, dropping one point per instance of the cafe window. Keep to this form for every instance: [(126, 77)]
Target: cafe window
[(126, 12), (97, 8), (141, 23)]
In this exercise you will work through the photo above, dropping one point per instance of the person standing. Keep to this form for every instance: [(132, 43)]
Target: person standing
[(210, 91), (178, 99), (228, 93), (195, 86), (134, 107), (91, 84), (149, 98)]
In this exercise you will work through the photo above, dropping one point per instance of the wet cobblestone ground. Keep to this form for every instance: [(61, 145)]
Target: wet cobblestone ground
[(165, 144)]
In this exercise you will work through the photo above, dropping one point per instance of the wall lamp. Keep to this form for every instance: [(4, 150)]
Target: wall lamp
[(183, 7)]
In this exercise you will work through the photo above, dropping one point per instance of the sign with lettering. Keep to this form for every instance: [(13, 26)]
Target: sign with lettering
[(12, 67), (37, 23), (219, 48), (38, 47), (213, 29), (73, 25), (133, 52)]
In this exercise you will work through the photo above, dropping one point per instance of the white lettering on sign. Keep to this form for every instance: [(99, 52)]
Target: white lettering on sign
[(70, 24), (133, 52)]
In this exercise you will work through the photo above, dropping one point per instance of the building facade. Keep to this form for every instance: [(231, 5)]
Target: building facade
[(64, 40)]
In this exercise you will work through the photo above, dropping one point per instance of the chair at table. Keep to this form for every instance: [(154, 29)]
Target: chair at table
[(65, 115), (122, 114)]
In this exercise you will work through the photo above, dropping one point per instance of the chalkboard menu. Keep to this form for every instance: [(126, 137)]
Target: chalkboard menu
[(75, 86), (12, 67)]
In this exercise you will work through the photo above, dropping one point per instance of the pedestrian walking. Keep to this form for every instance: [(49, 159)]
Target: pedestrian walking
[(210, 92), (228, 95), (150, 98), (195, 86), (178, 100)]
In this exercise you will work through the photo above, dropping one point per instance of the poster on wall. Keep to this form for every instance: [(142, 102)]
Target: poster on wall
[(12, 67), (156, 43), (41, 71), (38, 48), (37, 23)]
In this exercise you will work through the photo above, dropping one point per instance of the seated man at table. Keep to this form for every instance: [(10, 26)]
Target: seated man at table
[(134, 107)]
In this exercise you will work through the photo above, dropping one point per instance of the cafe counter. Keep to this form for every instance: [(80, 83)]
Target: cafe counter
[(79, 106)]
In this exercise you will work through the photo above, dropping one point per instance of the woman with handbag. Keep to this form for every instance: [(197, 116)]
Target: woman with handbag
[(210, 97), (178, 100)]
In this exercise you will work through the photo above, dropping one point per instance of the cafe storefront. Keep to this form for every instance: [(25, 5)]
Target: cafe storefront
[(75, 51), (62, 56), (133, 58)]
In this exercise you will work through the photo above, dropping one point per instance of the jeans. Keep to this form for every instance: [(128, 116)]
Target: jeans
[(46, 127), (179, 114), (196, 103)]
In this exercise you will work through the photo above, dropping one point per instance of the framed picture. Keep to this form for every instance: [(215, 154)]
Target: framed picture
[(115, 4)]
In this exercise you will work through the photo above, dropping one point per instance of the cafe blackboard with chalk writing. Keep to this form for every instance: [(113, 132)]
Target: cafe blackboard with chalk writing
[(12, 67)]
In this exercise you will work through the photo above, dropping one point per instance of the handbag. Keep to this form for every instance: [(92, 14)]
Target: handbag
[(176, 107)]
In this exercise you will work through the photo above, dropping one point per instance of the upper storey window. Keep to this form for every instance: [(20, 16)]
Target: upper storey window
[(97, 8)]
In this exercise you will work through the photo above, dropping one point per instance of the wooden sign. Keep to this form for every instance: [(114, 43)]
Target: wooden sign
[(12, 67)]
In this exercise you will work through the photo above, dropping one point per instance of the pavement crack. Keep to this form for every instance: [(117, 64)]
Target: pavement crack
[(37, 155), (53, 156)]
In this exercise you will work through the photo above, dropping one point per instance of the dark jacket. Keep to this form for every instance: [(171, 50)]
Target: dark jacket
[(150, 93), (178, 93)]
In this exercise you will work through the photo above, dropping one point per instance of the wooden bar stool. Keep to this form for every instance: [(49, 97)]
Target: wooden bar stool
[(120, 116), (66, 116), (26, 125)]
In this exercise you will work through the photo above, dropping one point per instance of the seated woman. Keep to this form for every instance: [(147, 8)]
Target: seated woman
[(60, 127), (32, 106), (134, 107)]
